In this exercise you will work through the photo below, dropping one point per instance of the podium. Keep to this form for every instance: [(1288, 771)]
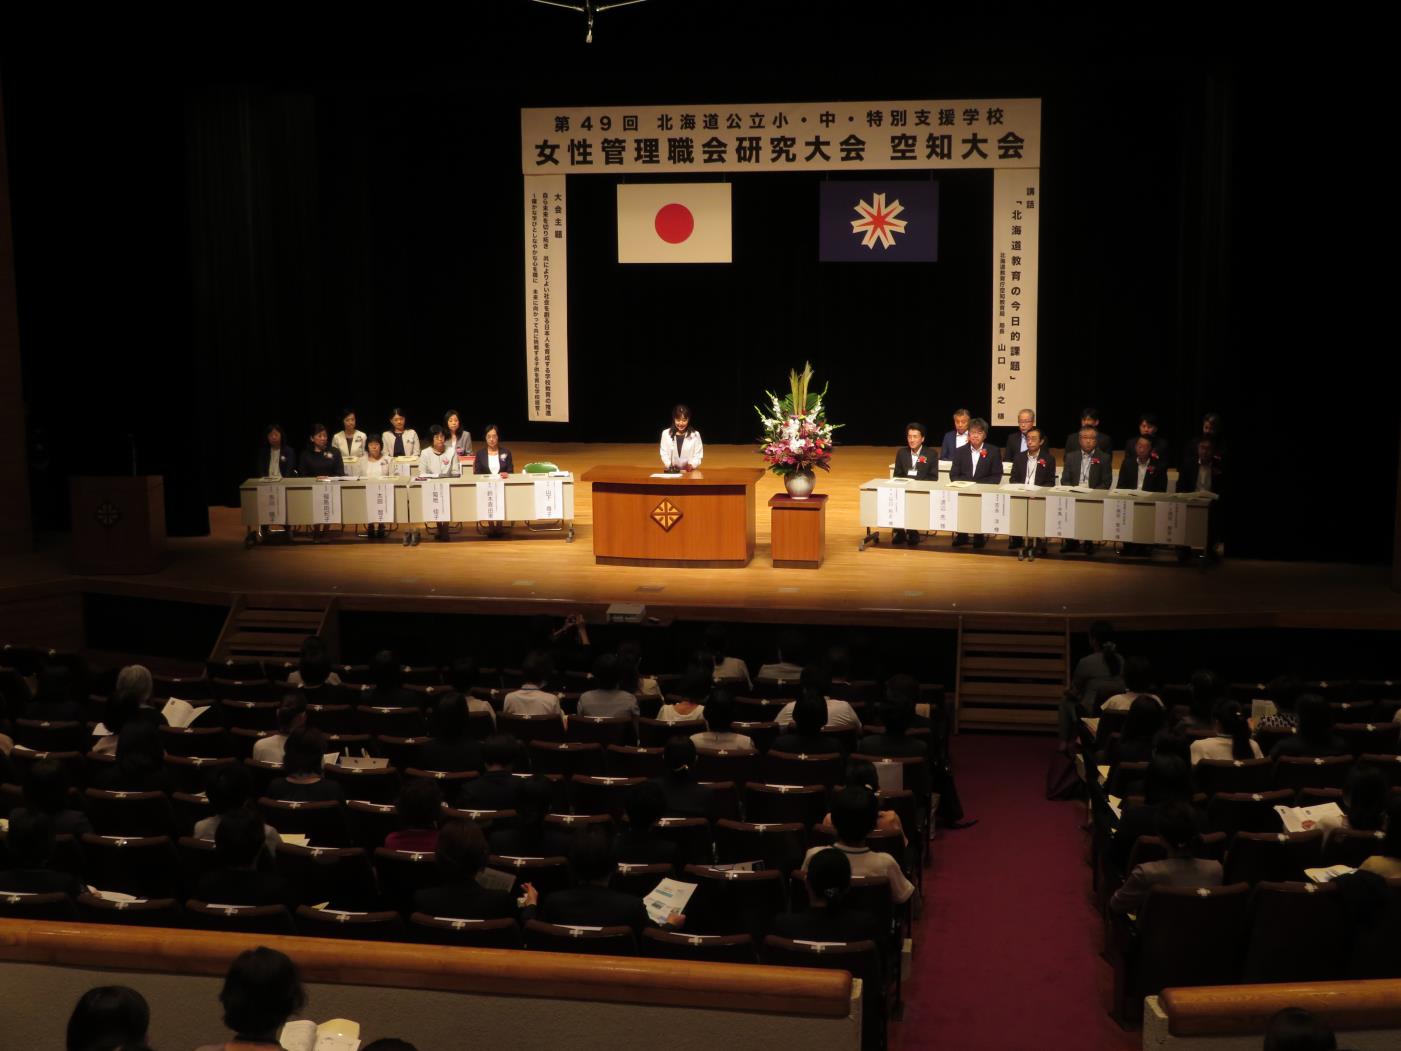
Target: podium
[(118, 523), (704, 518)]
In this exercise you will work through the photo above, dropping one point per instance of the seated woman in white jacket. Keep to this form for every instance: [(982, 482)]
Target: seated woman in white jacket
[(374, 464), (399, 440), (349, 441), (681, 447), (439, 460)]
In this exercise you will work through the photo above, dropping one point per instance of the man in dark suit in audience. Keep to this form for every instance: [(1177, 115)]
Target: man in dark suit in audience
[(1145, 471), (590, 903), (1089, 417), (915, 461), (496, 789), (1087, 466), (239, 845), (1016, 441), (1035, 466), (976, 462), (956, 438)]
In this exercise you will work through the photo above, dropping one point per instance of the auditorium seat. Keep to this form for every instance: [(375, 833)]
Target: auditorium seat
[(190, 774), (374, 785), (546, 875), (601, 795), (1299, 932), (1184, 936), (235, 668), (725, 765), (487, 819), (366, 926), (250, 688), (188, 808), (393, 722), (1127, 779), (25, 659), (422, 675), (1387, 764), (151, 912), (862, 959), (1359, 711), (402, 873), (1233, 775), (1269, 737), (566, 758), (724, 800), (639, 880), (129, 813), (1375, 952), (1232, 812), (603, 941), (238, 713), (1212, 845), (805, 804), (788, 768), (43, 735), (777, 846), (702, 948), (342, 876), (692, 837), (655, 733), (1376, 738), (759, 709), (73, 763), (467, 934), (622, 761), (761, 733), (528, 728), (194, 857), (337, 720), (1278, 857), (569, 825), (602, 730), (449, 782), (1297, 772), (322, 822), (239, 919), (16, 906), (403, 753), (145, 866), (1351, 847), (727, 901)]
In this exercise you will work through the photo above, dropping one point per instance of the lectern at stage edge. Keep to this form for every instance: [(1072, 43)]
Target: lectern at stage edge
[(704, 518)]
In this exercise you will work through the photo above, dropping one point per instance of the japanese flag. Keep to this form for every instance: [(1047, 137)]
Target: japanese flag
[(674, 222)]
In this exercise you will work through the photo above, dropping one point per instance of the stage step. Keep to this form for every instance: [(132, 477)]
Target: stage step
[(1011, 674), (273, 627)]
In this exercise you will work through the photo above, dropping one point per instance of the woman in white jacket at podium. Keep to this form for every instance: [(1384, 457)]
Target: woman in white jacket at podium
[(681, 448)]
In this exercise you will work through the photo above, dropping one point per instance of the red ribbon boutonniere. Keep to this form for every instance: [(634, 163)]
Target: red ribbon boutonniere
[(1040, 463), (1152, 469), (923, 459), (1153, 455), (1094, 460), (982, 454)]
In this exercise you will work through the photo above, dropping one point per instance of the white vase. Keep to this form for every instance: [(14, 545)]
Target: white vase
[(798, 484)]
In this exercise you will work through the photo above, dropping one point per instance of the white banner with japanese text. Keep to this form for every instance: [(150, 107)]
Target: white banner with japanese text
[(546, 299), (1015, 223)]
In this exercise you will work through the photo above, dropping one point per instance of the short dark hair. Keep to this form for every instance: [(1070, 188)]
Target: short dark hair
[(315, 429), (1089, 412), (914, 425), (374, 439), (267, 431), (646, 803), (1138, 674), (46, 785), (108, 1016), (829, 876), (606, 672), (239, 838), (385, 671), (533, 798), (345, 413), (854, 812), (862, 772), (678, 410), (462, 674), (229, 787), (815, 677), (314, 662), (1144, 719), (679, 753), (420, 802), (719, 711), (809, 712), (897, 716), (450, 716), (1168, 780), (292, 708), (1176, 823), (500, 750), (396, 411), (539, 667), (304, 751), (900, 688), (1365, 796), (1150, 418), (262, 989), (977, 423), (590, 856), (438, 431), (461, 850), (1315, 718)]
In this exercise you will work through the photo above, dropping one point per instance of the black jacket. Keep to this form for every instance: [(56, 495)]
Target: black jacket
[(1101, 473), (315, 463), (1045, 469), (483, 465), (287, 461), (986, 470), (925, 471), (1154, 482), (494, 790), (591, 906), (465, 901)]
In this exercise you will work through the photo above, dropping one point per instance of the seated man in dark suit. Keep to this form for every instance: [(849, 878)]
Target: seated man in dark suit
[(461, 856), (1204, 473), (1089, 417), (1146, 471), (450, 748), (496, 789), (956, 438), (976, 462), (239, 845), (1088, 467), (1034, 466), (914, 461), (30, 844), (1016, 441), (1148, 428), (590, 903)]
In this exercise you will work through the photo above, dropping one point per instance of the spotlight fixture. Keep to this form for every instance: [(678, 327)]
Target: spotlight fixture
[(589, 8)]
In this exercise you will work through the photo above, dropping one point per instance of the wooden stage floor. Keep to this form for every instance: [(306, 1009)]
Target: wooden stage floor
[(931, 585)]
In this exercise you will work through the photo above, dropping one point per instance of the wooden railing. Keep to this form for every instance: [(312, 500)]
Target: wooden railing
[(1222, 1010), (505, 972)]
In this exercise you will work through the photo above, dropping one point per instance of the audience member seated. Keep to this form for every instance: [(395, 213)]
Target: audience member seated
[(122, 707), (46, 792), (1314, 737), (590, 902), (805, 737), (30, 843), (686, 702), (461, 857), (140, 765), (1365, 796), (495, 789), (854, 813), (633, 678), (109, 1018), (862, 773), (727, 669), (313, 665), (1294, 1029), (56, 699), (301, 780), (840, 714), (1095, 673), (1284, 692), (895, 716), (240, 845), (684, 796), (291, 717), (828, 918), (462, 676), (1232, 739), (1206, 689), (230, 791), (1176, 825), (791, 652), (904, 690), (638, 843), (719, 715), (606, 699), (530, 837), (532, 698), (387, 689), (420, 803), (262, 990), (136, 679), (450, 749), (1141, 726), (1169, 780), (1138, 677), (1386, 863)]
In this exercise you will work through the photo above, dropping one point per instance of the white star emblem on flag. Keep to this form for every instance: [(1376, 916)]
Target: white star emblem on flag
[(878, 222)]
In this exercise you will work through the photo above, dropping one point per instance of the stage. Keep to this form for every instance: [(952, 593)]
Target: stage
[(932, 585)]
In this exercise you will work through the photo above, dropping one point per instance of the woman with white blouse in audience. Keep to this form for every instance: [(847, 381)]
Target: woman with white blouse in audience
[(719, 715), (459, 441), (399, 440), (349, 442), (1232, 740), (1138, 676)]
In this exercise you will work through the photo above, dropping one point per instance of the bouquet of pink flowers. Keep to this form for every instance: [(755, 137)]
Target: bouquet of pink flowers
[(797, 435)]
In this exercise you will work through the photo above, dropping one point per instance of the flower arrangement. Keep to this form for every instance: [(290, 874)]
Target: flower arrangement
[(797, 435)]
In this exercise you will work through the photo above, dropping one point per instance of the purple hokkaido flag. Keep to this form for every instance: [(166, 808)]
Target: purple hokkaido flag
[(879, 222)]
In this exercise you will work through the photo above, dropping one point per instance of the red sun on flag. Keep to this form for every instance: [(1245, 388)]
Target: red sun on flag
[(674, 223), (878, 222)]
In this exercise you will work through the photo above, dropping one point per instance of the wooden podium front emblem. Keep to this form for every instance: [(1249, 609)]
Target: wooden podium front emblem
[(666, 514), (107, 514)]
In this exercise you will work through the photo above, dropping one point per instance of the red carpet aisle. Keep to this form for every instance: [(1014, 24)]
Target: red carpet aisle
[(1009, 942)]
